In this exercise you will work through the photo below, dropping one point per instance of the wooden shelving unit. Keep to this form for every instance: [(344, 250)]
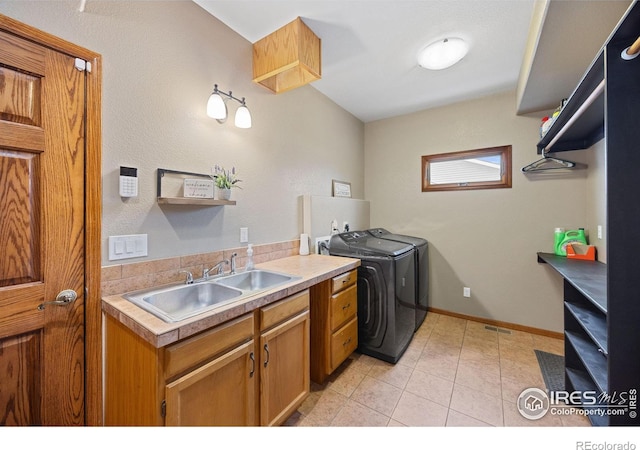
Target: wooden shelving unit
[(162, 200), (602, 304)]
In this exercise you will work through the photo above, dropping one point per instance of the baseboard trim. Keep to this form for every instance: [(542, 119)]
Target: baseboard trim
[(500, 324)]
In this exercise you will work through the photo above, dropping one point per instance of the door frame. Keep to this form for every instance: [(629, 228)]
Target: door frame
[(93, 207)]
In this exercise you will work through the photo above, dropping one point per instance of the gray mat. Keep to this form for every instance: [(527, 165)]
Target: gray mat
[(552, 367)]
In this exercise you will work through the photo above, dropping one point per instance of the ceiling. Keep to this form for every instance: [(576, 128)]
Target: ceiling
[(369, 47)]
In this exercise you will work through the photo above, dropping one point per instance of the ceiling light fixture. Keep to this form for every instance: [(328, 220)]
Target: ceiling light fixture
[(443, 53), (217, 108)]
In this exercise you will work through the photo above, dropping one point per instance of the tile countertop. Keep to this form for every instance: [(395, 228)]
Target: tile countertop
[(312, 269)]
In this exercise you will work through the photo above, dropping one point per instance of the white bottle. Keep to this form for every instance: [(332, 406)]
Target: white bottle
[(304, 244), (249, 265)]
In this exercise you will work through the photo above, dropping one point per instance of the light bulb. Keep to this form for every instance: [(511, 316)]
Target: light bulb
[(243, 117), (216, 107)]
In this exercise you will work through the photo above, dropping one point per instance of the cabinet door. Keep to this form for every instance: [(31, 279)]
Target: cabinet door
[(284, 365), (220, 393)]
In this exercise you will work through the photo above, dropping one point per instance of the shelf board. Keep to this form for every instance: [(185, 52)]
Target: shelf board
[(580, 381), (194, 201), (588, 128), (594, 324), (595, 363), (588, 277)]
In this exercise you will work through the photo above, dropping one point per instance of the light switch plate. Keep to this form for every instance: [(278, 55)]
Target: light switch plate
[(127, 246)]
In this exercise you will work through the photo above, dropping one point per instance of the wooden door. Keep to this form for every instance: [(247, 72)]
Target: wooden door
[(284, 365), (220, 393), (42, 242)]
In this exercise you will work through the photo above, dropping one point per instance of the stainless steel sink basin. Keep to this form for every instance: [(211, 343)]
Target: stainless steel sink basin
[(176, 303), (255, 280)]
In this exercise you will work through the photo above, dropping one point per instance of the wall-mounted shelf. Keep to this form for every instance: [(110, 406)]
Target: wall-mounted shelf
[(581, 122), (163, 200), (194, 201)]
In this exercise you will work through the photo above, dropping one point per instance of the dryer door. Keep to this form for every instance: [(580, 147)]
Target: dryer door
[(372, 304)]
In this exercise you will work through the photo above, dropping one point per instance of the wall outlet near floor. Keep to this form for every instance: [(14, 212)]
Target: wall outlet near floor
[(466, 292)]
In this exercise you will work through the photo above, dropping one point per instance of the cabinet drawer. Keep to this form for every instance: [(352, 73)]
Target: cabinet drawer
[(344, 280), (343, 306), (343, 343), (277, 312), (186, 354)]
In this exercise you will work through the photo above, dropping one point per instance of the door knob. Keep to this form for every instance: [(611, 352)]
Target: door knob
[(63, 298)]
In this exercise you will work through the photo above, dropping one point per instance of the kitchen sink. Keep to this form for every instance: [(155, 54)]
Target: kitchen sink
[(255, 280), (180, 302)]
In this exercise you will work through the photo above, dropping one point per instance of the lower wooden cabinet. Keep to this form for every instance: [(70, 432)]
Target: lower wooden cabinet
[(334, 327), (284, 358), (253, 370), (218, 393)]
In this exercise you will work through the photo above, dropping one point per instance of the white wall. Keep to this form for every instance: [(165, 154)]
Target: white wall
[(485, 239), (161, 60)]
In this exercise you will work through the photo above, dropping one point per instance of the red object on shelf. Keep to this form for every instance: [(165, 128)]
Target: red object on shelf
[(580, 251)]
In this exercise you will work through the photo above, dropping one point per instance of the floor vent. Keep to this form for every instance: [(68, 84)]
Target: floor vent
[(499, 330)]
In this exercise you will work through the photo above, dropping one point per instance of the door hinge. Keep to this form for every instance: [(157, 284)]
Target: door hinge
[(82, 65), (163, 408)]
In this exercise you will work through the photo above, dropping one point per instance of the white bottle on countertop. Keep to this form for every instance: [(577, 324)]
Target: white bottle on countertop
[(249, 265), (304, 244)]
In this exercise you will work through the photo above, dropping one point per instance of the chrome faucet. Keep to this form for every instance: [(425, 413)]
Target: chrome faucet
[(219, 267), (233, 262), (189, 279)]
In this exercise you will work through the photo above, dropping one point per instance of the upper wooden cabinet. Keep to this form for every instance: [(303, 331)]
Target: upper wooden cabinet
[(288, 58)]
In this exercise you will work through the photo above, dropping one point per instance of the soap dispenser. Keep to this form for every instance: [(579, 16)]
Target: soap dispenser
[(249, 265)]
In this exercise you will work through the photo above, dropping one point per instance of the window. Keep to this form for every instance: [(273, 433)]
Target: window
[(486, 168)]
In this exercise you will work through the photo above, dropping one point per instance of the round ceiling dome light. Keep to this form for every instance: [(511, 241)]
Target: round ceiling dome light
[(443, 53)]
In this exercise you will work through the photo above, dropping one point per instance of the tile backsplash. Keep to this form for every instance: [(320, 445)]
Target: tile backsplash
[(121, 278)]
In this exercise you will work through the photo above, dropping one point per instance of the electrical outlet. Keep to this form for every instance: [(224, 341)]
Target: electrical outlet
[(244, 235), (466, 292), (599, 231)]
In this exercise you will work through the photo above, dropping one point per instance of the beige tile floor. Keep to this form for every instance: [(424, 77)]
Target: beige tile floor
[(455, 372)]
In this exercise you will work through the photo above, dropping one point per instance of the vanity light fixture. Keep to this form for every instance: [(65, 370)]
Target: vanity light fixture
[(443, 53), (217, 108)]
